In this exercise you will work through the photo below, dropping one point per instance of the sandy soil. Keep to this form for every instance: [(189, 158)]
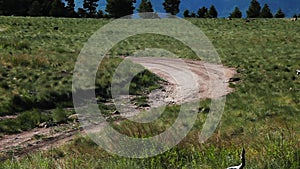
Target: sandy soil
[(187, 80)]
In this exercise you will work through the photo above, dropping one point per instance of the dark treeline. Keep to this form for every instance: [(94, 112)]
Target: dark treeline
[(119, 8), (203, 12), (57, 8), (254, 11), (54, 8)]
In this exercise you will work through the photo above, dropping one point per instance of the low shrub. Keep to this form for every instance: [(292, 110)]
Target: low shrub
[(59, 115)]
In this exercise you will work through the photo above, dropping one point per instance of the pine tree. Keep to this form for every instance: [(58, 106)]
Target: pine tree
[(266, 12), (6, 7), (82, 13), (186, 14), (71, 8), (202, 12), (279, 14), (145, 6), (254, 9), (2, 7), (193, 15), (35, 9), (58, 9), (119, 8), (46, 7), (90, 6), (100, 14), (15, 7), (70, 5), (171, 6), (212, 12), (236, 13), (295, 16)]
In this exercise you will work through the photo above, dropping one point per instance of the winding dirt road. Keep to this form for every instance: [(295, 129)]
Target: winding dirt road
[(188, 80)]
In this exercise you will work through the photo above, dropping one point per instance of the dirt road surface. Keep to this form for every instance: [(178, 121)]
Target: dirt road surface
[(187, 80), (190, 79)]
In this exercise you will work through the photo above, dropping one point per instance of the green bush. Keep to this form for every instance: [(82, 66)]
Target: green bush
[(59, 115), (10, 126)]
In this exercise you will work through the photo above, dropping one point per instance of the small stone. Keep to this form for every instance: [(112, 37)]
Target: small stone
[(73, 117), (43, 125), (116, 112)]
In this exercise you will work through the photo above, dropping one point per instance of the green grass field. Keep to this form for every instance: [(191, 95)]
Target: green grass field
[(262, 115)]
